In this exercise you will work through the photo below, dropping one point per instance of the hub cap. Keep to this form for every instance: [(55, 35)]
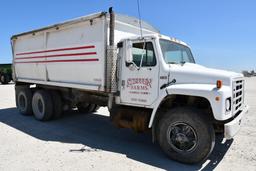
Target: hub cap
[(181, 137)]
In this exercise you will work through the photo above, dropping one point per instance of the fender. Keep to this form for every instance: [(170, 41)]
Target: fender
[(208, 91)]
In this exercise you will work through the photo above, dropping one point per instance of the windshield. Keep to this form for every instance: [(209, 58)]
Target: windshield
[(175, 53)]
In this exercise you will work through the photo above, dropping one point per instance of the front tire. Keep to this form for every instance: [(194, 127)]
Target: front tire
[(42, 105), (186, 135)]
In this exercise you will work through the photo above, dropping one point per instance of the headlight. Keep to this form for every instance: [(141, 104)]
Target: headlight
[(228, 104)]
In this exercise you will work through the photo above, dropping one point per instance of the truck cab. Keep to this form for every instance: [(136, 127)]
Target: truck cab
[(160, 73)]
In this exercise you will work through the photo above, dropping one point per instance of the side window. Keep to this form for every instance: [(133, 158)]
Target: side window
[(146, 51)]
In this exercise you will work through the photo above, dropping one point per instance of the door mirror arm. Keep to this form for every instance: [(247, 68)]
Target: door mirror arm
[(132, 66), (127, 64)]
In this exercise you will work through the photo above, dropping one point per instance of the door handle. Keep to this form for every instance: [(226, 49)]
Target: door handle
[(149, 69)]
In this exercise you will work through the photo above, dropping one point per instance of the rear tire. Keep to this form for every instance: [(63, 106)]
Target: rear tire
[(57, 104), (92, 108), (24, 100), (42, 105), (96, 108), (185, 135), (86, 107)]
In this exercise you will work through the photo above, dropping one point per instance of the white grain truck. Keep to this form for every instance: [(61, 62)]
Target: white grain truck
[(148, 81)]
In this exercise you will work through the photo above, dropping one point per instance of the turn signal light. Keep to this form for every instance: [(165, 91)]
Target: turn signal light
[(217, 98), (219, 84)]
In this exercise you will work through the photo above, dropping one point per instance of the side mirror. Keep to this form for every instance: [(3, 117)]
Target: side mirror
[(128, 55), (131, 65)]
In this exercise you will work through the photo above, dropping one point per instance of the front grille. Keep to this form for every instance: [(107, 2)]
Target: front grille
[(238, 95)]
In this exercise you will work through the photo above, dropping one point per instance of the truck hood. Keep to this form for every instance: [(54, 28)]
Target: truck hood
[(197, 74)]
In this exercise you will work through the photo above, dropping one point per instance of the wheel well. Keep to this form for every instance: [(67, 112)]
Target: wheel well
[(185, 100), (174, 101)]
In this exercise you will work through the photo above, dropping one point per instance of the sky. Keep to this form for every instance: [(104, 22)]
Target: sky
[(221, 34)]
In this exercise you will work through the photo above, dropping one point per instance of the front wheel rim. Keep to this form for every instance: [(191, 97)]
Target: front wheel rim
[(182, 137)]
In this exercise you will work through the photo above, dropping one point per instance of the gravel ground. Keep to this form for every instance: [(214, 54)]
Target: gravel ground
[(91, 142)]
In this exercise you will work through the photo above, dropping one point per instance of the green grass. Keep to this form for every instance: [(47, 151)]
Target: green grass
[(6, 68)]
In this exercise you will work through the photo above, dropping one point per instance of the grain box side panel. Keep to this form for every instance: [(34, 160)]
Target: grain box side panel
[(82, 60), (23, 68), (71, 54)]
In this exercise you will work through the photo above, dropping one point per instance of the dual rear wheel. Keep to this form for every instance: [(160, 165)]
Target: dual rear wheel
[(24, 100), (44, 104)]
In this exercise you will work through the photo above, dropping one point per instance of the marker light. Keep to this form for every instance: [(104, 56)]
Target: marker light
[(217, 98), (219, 84)]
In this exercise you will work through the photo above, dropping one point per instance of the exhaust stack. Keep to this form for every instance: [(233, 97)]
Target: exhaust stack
[(111, 26), (111, 60)]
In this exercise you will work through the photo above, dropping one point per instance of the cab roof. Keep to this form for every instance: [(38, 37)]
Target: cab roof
[(160, 36)]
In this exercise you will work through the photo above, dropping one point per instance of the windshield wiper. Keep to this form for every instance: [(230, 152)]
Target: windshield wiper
[(182, 62), (172, 63)]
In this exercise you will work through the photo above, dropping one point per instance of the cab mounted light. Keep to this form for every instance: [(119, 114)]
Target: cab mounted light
[(219, 84)]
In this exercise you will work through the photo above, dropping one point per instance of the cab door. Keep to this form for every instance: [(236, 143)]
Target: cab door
[(139, 76)]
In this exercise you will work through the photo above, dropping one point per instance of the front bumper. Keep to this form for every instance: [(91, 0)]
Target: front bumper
[(232, 127)]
